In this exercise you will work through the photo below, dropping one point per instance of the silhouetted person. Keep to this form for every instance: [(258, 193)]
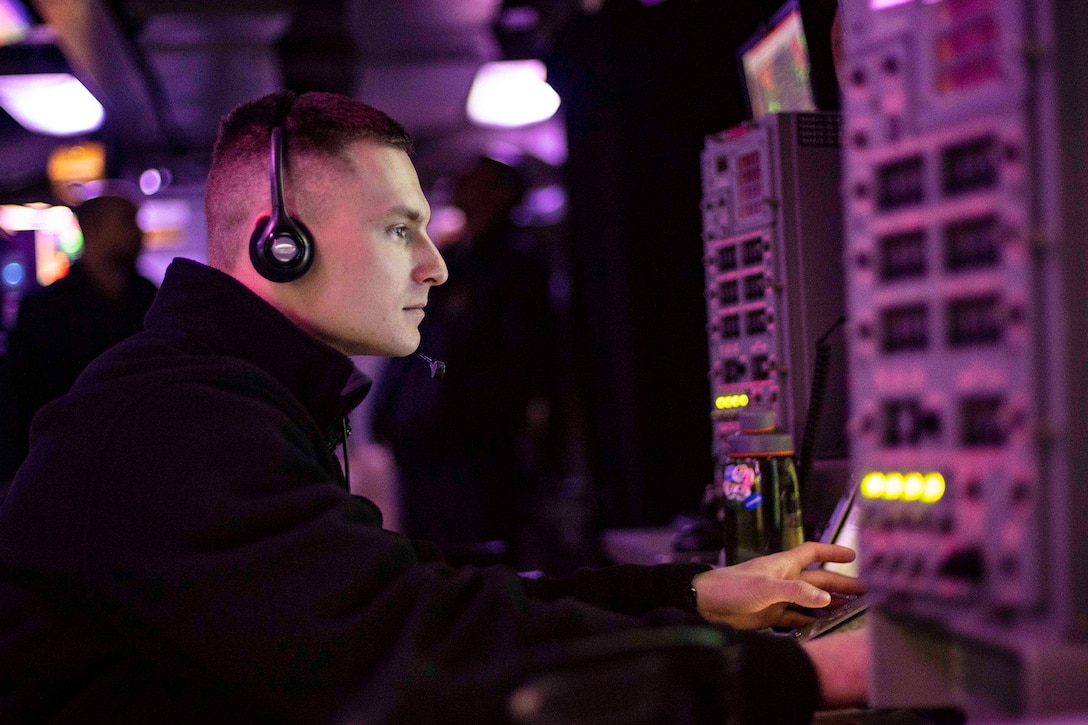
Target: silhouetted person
[(463, 445), (62, 327)]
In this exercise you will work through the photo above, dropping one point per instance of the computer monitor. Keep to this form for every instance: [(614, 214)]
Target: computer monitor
[(842, 529), (775, 65)]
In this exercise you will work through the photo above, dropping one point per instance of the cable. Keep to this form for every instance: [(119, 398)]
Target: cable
[(346, 427)]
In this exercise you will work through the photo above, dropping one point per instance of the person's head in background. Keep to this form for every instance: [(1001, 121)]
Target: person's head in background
[(487, 192), (112, 241), (349, 179)]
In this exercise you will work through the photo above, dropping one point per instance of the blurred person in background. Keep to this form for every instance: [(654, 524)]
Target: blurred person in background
[(473, 450), (62, 327)]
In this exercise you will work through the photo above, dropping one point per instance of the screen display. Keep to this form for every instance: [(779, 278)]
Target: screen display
[(847, 536), (776, 66)]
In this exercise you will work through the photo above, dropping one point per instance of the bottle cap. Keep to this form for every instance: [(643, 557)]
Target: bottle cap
[(758, 436)]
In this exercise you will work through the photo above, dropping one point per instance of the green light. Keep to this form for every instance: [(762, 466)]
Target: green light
[(872, 486), (71, 243), (934, 488)]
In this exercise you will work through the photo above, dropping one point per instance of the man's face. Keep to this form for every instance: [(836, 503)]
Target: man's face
[(373, 261)]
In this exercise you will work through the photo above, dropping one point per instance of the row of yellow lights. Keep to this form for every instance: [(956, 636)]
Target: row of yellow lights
[(928, 487), (724, 402)]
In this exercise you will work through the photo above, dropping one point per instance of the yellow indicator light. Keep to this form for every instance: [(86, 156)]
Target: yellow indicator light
[(914, 486), (893, 486), (872, 486), (897, 486), (933, 488), (723, 402)]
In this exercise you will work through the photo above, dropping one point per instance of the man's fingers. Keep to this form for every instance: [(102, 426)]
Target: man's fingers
[(812, 552), (829, 552), (792, 619), (804, 594), (832, 582)]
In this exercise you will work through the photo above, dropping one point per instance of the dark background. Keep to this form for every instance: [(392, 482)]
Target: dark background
[(642, 87)]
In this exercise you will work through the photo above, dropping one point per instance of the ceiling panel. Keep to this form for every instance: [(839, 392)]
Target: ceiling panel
[(168, 70)]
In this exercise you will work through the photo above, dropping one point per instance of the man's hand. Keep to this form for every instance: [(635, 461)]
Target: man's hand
[(842, 667), (757, 593)]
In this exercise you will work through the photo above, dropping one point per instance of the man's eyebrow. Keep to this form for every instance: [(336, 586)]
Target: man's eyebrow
[(412, 214)]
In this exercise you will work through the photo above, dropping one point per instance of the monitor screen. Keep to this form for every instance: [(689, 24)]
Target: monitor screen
[(847, 535), (775, 65)]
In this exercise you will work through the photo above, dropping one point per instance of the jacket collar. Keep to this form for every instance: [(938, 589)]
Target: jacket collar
[(230, 319)]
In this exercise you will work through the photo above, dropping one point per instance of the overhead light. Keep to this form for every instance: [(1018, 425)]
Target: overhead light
[(511, 93), (55, 104)]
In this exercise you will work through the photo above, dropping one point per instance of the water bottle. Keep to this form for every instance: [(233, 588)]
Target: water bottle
[(760, 490)]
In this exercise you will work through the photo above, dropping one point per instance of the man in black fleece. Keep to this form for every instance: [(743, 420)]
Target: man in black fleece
[(180, 545)]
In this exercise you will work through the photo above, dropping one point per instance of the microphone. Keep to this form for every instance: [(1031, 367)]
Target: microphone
[(438, 368)]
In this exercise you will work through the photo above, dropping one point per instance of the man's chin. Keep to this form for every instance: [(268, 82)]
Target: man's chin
[(404, 349), (370, 349)]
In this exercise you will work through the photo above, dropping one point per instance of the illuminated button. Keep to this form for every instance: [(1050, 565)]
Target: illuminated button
[(933, 488), (893, 486), (913, 487), (872, 486), (721, 402)]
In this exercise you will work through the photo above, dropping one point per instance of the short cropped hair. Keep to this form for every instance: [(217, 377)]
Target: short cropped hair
[(316, 124), (94, 212)]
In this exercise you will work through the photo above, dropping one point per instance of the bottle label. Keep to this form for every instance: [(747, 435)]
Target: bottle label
[(737, 485)]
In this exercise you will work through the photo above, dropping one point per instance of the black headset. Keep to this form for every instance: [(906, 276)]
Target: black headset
[(281, 248)]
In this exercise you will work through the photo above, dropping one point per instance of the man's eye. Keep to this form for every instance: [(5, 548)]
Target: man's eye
[(401, 231)]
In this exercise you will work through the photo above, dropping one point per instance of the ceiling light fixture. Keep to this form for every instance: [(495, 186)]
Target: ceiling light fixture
[(511, 93), (55, 104)]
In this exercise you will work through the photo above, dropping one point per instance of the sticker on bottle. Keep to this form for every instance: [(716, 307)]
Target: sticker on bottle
[(737, 485)]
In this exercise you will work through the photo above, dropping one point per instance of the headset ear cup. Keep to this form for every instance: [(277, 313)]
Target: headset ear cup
[(256, 247), (281, 249)]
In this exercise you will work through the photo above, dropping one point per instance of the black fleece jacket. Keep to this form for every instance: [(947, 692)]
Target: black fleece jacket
[(180, 546)]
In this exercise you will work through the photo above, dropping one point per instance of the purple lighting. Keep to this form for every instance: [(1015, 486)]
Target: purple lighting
[(511, 93), (55, 104), (14, 22)]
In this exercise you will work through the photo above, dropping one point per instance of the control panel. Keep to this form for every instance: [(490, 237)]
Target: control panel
[(772, 233), (967, 331)]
